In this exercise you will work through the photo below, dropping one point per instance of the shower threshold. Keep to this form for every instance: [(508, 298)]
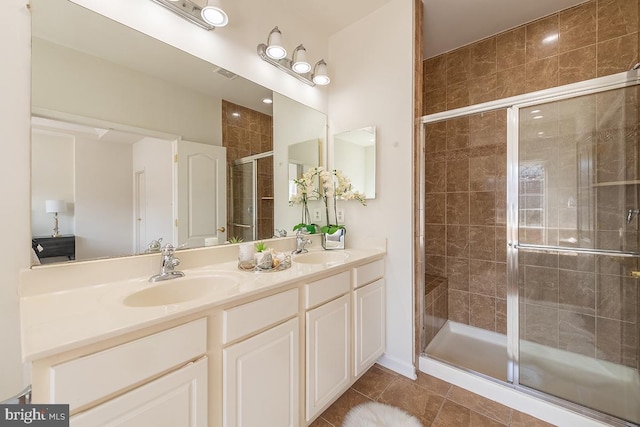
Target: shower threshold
[(604, 386)]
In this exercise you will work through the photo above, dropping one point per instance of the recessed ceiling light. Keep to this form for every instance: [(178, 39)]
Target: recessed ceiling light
[(267, 101)]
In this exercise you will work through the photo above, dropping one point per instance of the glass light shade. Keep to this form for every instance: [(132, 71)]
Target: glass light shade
[(320, 76), (275, 49), (215, 16), (299, 63)]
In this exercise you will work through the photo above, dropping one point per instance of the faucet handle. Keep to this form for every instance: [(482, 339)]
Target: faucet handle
[(168, 249)]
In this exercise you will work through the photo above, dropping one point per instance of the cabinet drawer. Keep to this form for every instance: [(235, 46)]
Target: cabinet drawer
[(89, 378), (368, 273), (326, 289), (247, 318), (176, 399)]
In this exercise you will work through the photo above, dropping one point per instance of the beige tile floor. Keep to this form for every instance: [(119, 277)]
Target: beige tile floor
[(433, 401)]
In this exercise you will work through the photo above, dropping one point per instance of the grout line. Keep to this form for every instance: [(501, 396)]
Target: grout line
[(440, 408)]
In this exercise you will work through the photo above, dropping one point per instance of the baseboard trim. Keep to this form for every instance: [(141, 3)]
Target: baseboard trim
[(399, 366)]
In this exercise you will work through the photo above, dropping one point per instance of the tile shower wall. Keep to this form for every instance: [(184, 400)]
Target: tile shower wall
[(246, 132), (465, 226), (466, 158)]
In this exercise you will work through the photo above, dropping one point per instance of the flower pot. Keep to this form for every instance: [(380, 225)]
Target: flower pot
[(334, 240)]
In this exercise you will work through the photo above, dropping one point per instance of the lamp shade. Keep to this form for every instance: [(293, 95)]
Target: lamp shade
[(55, 206), (299, 63), (320, 76), (213, 14), (275, 49)]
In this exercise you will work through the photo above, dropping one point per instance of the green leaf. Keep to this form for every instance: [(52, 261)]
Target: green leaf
[(330, 229)]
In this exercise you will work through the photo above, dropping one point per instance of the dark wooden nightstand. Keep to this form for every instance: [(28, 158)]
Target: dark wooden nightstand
[(64, 245)]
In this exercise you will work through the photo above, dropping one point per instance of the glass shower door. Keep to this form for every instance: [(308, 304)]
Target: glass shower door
[(577, 251), (243, 195)]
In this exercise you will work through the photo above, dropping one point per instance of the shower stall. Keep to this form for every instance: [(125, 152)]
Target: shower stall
[(532, 214), (251, 197)]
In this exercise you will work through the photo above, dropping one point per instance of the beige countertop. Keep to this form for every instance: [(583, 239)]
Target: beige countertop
[(69, 317)]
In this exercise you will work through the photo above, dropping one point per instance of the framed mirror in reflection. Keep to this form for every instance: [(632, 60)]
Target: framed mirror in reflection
[(354, 153), (139, 140)]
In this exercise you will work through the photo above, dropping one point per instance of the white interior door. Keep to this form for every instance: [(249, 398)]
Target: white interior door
[(201, 176), (140, 208)]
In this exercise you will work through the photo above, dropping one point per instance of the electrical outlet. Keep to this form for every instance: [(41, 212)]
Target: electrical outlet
[(317, 215), (340, 215)]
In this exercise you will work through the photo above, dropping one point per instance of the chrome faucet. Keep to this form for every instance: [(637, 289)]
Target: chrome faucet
[(169, 263), (630, 213), (301, 241)]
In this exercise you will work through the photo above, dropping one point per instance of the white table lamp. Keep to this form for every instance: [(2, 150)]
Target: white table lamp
[(55, 207)]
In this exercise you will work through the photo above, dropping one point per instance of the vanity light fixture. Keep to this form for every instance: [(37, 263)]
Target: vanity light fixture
[(299, 63), (274, 49), (207, 14), (320, 76), (275, 54), (213, 14), (55, 207)]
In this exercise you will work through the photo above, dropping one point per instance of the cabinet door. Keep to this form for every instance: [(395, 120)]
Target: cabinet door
[(328, 342), (369, 325), (260, 379), (176, 399)]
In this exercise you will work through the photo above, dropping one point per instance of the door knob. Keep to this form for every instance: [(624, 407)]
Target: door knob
[(221, 229)]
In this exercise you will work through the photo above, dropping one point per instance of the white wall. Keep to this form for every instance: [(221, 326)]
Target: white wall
[(15, 119), (371, 84), (104, 189), (51, 178), (68, 81)]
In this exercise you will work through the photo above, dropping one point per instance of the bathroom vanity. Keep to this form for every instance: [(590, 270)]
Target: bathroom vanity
[(229, 348)]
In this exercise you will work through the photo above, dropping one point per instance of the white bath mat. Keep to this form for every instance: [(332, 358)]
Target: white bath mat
[(374, 414)]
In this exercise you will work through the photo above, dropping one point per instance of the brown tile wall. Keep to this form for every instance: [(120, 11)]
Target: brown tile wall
[(245, 135), (595, 39), (465, 231)]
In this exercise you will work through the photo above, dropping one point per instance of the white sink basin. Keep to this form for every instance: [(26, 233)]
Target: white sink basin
[(325, 257), (183, 289)]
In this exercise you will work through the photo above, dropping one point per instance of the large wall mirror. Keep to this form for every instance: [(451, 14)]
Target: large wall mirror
[(354, 153), (136, 141)]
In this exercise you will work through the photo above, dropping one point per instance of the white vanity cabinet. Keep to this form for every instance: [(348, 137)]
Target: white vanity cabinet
[(159, 380), (369, 315), (328, 341), (260, 364)]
